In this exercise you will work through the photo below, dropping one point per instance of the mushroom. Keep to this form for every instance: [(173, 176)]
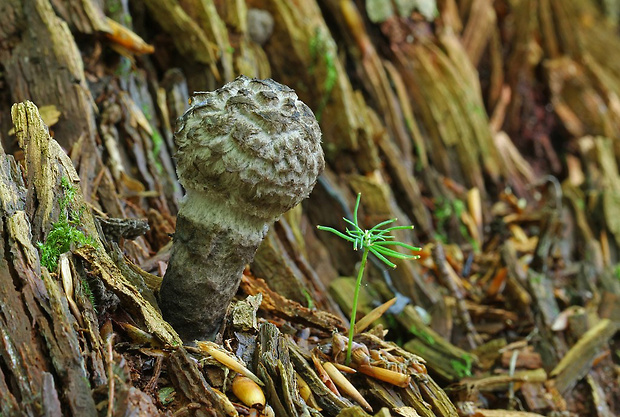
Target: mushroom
[(247, 153)]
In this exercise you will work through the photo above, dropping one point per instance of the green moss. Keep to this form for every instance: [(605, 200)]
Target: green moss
[(166, 395), (320, 51), (89, 294), (69, 192), (444, 210), (64, 233), (146, 110), (421, 334), (462, 368), (114, 6), (123, 70), (157, 141), (60, 239)]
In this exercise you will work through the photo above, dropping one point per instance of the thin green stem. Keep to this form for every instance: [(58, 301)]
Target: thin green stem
[(357, 206), (381, 257), (336, 232), (358, 284), (389, 252), (401, 244), (389, 229), (357, 228), (384, 223)]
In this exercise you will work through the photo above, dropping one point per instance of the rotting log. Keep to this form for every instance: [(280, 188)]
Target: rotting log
[(198, 397), (39, 338), (39, 328), (549, 99)]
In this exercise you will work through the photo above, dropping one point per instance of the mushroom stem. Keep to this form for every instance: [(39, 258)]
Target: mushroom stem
[(206, 263), (247, 153)]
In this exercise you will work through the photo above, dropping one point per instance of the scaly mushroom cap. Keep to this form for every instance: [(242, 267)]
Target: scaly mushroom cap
[(252, 144)]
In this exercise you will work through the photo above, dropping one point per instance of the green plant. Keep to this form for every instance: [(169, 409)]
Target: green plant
[(166, 395), (64, 233), (309, 300), (89, 294), (375, 241)]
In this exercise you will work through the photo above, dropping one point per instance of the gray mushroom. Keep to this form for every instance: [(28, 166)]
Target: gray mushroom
[(247, 153)]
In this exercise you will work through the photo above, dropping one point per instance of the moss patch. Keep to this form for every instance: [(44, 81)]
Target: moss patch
[(64, 233)]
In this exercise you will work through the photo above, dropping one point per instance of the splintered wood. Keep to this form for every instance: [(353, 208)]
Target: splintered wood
[(492, 126)]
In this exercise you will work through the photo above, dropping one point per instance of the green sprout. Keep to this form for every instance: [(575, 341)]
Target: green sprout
[(376, 241)]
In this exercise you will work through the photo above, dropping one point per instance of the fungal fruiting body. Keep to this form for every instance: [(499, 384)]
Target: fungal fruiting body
[(246, 153)]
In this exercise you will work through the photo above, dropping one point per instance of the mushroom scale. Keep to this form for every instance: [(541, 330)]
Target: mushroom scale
[(247, 153)]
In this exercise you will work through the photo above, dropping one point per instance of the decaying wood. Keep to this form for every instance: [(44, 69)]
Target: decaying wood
[(201, 400), (40, 341), (451, 280), (59, 75), (276, 369), (46, 163), (287, 309), (72, 356), (104, 268), (325, 398), (419, 111), (442, 356), (577, 361)]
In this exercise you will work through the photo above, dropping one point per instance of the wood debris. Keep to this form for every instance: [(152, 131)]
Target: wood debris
[(491, 126)]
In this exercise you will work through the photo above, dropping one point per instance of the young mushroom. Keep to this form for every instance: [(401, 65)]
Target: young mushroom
[(247, 153)]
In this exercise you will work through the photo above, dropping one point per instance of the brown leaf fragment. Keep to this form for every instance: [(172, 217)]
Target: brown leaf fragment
[(127, 39), (535, 397), (527, 358)]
